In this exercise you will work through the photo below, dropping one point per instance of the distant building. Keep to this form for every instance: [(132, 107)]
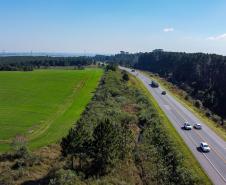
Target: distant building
[(124, 52)]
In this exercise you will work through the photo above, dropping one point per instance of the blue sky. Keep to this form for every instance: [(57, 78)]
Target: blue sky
[(108, 26)]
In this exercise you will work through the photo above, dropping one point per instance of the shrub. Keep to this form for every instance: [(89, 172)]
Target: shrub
[(22, 152), (216, 118), (64, 177), (125, 76), (198, 104), (187, 97), (208, 113)]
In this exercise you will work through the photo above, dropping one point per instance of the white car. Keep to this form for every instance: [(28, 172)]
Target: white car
[(197, 126), (187, 126), (205, 147)]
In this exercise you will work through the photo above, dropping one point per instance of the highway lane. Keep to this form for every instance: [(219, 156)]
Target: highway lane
[(214, 162)]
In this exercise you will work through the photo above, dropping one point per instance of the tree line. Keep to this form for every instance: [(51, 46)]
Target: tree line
[(28, 63), (202, 76)]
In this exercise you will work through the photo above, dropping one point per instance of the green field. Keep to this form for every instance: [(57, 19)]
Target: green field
[(43, 104)]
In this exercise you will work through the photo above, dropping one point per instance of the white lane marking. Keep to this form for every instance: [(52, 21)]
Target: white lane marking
[(167, 107), (192, 140), (215, 168), (183, 115)]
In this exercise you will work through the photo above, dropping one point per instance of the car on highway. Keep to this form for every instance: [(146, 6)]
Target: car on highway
[(205, 147), (133, 70), (163, 92), (197, 126), (154, 84), (187, 126)]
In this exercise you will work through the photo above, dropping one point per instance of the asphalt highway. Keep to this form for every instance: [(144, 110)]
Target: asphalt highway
[(213, 162)]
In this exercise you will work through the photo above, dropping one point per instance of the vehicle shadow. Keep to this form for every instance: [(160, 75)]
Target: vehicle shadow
[(199, 149), (182, 128)]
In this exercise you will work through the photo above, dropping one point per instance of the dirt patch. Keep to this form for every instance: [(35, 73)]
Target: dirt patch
[(130, 108)]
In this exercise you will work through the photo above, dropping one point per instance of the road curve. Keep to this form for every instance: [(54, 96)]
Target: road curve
[(214, 162)]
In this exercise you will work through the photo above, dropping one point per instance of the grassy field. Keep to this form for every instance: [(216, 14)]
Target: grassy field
[(189, 159), (43, 104)]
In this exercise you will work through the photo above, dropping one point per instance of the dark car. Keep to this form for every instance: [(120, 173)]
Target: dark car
[(163, 92), (154, 84)]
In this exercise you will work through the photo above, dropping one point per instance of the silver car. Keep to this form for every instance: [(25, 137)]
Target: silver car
[(187, 126), (198, 126), (205, 147)]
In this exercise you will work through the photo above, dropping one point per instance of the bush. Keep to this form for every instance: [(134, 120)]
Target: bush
[(22, 152), (111, 67), (125, 76), (208, 113), (64, 177), (216, 118), (188, 98), (198, 104)]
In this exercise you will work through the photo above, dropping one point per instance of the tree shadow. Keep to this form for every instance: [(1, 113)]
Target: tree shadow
[(42, 181)]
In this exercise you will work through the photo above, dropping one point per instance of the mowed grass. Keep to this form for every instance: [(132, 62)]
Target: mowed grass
[(42, 105)]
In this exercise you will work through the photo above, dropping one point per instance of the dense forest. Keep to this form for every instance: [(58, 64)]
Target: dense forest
[(27, 63), (123, 58), (202, 76)]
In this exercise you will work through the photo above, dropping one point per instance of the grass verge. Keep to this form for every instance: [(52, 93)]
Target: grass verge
[(189, 160)]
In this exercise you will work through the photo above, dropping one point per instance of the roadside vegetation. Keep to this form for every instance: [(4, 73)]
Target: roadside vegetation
[(40, 106)]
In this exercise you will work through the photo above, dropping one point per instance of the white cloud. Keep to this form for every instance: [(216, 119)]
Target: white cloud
[(168, 29), (218, 37)]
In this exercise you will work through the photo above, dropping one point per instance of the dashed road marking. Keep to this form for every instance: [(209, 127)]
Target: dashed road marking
[(167, 107)]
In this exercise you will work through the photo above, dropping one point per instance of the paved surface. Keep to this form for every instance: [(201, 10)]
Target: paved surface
[(213, 162)]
